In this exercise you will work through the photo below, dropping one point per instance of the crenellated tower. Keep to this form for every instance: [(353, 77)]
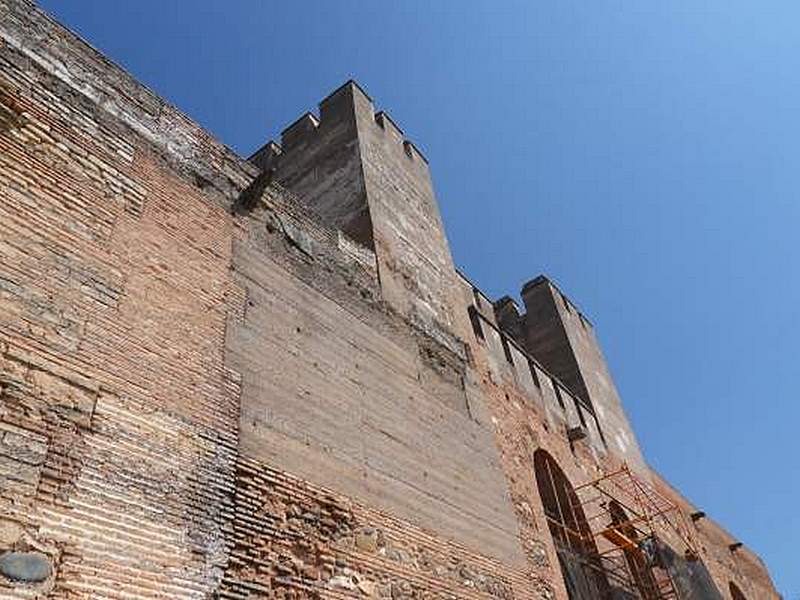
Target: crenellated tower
[(555, 331), (356, 170)]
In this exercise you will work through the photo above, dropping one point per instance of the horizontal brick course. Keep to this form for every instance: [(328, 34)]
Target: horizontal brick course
[(208, 390)]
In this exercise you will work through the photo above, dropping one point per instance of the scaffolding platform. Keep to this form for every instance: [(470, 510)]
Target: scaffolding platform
[(627, 523)]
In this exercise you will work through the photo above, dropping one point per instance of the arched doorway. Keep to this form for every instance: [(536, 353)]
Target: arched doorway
[(736, 593), (577, 553)]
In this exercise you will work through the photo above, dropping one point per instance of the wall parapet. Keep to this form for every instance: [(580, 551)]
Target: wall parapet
[(307, 127), (106, 87), (544, 279), (520, 348), (577, 414)]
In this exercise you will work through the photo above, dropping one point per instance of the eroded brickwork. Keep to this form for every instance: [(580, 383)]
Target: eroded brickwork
[(208, 389), (296, 540), (119, 419)]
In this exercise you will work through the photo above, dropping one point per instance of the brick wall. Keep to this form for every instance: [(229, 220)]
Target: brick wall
[(115, 400), (206, 397), (528, 418)]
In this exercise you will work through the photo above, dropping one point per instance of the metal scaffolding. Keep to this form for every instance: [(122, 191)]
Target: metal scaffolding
[(627, 520)]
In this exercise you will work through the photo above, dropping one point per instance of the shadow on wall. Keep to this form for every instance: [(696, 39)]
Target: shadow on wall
[(691, 578), (580, 586)]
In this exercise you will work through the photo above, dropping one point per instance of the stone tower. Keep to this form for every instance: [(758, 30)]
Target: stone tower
[(355, 169), (554, 331)]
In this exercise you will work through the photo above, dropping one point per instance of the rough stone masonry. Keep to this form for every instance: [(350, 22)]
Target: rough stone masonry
[(264, 378)]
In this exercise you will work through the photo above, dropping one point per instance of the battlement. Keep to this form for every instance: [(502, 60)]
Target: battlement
[(300, 130), (569, 305), (506, 309), (557, 333), (277, 354), (510, 361), (356, 169), (386, 123), (340, 108), (350, 86)]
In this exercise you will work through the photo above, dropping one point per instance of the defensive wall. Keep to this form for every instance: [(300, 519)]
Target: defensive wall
[(240, 378)]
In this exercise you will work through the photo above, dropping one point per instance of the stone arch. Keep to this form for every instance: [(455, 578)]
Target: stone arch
[(577, 552)]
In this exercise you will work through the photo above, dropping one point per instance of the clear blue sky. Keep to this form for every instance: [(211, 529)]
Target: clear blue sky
[(643, 154)]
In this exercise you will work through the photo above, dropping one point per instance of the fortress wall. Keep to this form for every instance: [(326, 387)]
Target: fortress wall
[(206, 388), (525, 422), (340, 392), (119, 419), (122, 467)]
